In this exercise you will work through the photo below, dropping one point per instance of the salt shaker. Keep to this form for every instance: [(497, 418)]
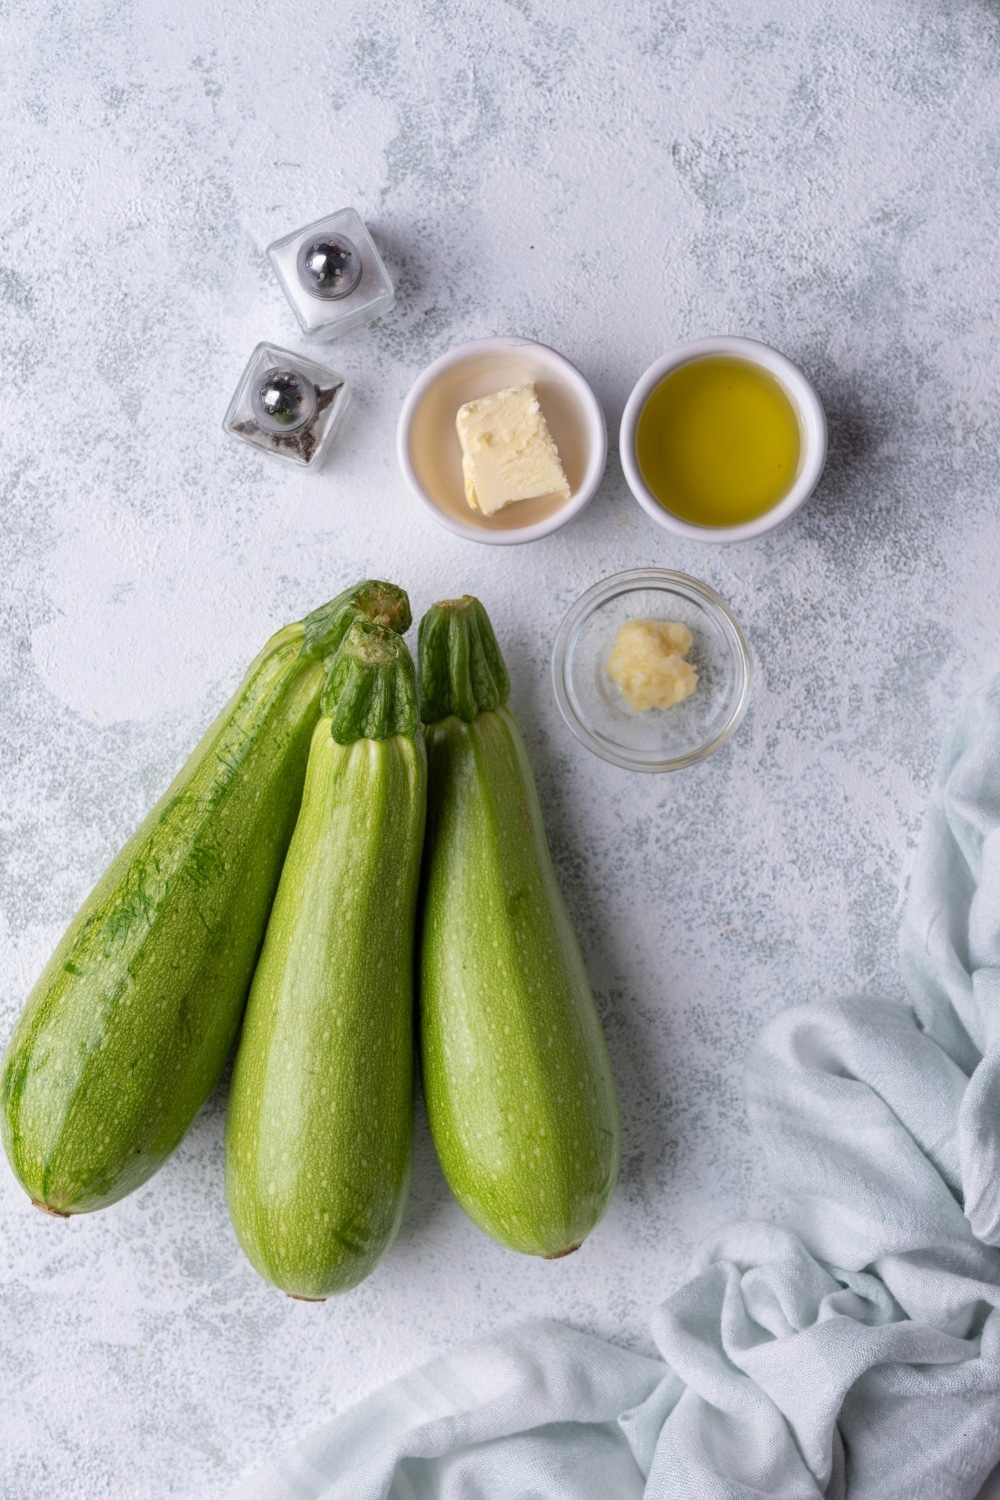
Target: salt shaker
[(332, 274)]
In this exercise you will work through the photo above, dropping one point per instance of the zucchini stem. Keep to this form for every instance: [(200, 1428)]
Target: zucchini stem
[(383, 603), (371, 688), (462, 670)]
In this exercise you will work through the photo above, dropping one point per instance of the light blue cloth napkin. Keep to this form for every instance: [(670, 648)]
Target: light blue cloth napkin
[(854, 1350)]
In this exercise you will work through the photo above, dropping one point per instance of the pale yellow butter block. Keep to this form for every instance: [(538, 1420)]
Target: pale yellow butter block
[(507, 450)]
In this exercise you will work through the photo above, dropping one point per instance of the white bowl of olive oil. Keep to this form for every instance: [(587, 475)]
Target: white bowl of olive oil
[(722, 439)]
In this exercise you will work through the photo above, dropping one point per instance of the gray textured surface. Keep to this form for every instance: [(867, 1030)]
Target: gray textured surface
[(821, 176)]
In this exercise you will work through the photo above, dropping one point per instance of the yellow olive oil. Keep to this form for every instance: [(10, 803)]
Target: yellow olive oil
[(718, 442)]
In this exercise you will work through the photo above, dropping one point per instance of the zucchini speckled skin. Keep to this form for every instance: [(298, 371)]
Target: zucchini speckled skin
[(515, 1071), (320, 1121), (128, 1028)]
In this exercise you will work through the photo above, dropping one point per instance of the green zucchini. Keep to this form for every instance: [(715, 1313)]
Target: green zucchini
[(126, 1032), (320, 1120), (516, 1076)]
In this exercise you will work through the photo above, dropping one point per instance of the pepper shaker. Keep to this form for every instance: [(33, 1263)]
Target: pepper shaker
[(288, 405)]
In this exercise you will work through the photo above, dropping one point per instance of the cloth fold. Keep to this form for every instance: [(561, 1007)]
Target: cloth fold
[(853, 1351), (538, 1406)]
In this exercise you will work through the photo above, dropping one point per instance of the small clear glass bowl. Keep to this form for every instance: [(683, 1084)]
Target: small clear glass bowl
[(658, 739)]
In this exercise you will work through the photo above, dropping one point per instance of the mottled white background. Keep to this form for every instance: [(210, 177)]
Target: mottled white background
[(609, 179)]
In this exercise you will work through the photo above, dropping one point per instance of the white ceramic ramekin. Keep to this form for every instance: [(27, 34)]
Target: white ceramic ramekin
[(812, 430), (430, 457)]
